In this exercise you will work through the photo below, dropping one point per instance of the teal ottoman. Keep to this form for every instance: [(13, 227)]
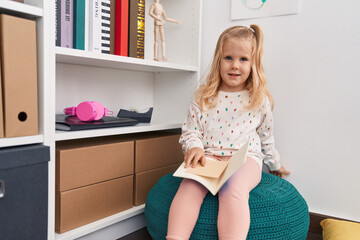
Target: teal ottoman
[(277, 210)]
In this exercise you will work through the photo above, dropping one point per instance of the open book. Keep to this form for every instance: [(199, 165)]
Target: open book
[(215, 173)]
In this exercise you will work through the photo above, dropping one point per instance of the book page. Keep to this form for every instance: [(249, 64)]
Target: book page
[(212, 168), (235, 162), (209, 183), (214, 184)]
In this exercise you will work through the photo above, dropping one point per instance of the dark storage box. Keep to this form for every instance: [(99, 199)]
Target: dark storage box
[(24, 192)]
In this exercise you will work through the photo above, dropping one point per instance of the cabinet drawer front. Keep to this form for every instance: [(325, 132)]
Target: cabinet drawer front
[(87, 165), (157, 152), (77, 207)]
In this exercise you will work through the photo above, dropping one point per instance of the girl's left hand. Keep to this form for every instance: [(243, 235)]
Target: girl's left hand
[(281, 172)]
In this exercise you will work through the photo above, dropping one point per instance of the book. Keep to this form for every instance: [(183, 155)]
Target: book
[(112, 26), (121, 27), (73, 123), (87, 26), (79, 24), (215, 173), (105, 26), (94, 26), (58, 23), (137, 28), (64, 23)]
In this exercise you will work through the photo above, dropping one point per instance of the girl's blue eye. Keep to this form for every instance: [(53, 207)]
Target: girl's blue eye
[(227, 58), (243, 59)]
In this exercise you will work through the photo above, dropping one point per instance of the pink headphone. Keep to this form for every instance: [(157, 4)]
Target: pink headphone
[(88, 111)]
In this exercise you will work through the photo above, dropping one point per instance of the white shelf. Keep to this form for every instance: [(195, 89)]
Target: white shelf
[(102, 223), (16, 141), (141, 127), (20, 9), (80, 57)]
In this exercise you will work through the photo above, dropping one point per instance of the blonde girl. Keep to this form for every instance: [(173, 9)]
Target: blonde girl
[(230, 107)]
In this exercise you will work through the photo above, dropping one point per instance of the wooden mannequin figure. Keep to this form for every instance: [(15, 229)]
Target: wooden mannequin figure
[(156, 11)]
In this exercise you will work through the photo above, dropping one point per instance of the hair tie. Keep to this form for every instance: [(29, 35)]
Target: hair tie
[(250, 28)]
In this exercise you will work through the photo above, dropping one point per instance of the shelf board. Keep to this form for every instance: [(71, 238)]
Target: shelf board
[(102, 223), (80, 57), (16, 141), (141, 127), (20, 9)]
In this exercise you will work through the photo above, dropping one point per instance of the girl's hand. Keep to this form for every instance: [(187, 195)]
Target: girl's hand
[(281, 172), (193, 156)]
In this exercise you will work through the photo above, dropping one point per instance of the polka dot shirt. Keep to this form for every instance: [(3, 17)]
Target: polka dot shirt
[(222, 130)]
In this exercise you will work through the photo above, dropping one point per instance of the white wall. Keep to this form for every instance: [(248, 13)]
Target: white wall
[(312, 62)]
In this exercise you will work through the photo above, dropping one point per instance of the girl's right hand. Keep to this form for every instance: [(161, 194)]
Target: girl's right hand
[(193, 156)]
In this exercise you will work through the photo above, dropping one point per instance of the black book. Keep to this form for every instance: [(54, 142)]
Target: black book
[(73, 123)]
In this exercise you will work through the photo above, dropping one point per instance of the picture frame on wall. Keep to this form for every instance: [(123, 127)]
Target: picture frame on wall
[(246, 9)]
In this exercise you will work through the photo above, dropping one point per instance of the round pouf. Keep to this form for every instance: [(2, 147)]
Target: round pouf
[(277, 210)]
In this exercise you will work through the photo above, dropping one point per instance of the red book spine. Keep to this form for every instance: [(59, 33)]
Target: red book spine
[(121, 27)]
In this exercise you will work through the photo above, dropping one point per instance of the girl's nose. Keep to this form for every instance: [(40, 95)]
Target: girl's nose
[(235, 65)]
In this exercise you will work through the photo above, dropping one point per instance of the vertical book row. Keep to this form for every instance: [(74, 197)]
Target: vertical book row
[(103, 26)]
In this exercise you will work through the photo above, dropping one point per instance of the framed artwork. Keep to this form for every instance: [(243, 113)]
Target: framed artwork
[(245, 9)]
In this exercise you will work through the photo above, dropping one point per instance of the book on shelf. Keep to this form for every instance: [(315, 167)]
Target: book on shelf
[(136, 28), (105, 26), (215, 173), (121, 27), (112, 26), (64, 23), (79, 24), (73, 123), (95, 25)]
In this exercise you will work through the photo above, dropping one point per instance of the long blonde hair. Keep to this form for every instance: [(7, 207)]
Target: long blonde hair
[(207, 93)]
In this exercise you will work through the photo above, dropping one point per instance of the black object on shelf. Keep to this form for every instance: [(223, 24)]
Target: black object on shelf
[(24, 199), (141, 117), (73, 123)]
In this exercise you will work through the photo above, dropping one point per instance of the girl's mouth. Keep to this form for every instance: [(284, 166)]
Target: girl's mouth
[(234, 75)]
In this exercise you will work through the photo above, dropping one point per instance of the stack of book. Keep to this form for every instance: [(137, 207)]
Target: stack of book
[(104, 26)]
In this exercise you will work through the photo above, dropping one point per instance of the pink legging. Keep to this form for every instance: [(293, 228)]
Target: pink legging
[(234, 213)]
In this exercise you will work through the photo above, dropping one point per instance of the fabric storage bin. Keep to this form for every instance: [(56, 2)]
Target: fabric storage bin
[(24, 192)]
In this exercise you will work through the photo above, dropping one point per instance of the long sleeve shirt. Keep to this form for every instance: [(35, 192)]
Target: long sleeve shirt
[(222, 130)]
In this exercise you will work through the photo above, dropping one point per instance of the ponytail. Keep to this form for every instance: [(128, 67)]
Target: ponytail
[(257, 81)]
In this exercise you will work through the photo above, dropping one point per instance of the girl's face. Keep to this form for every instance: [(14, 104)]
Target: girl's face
[(235, 64)]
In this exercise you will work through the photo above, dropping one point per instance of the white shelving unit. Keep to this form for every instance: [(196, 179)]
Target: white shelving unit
[(34, 13), (100, 224), (80, 57), (141, 127), (20, 9), (17, 141), (67, 77)]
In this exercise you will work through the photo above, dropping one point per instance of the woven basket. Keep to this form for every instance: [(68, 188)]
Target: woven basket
[(277, 210)]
